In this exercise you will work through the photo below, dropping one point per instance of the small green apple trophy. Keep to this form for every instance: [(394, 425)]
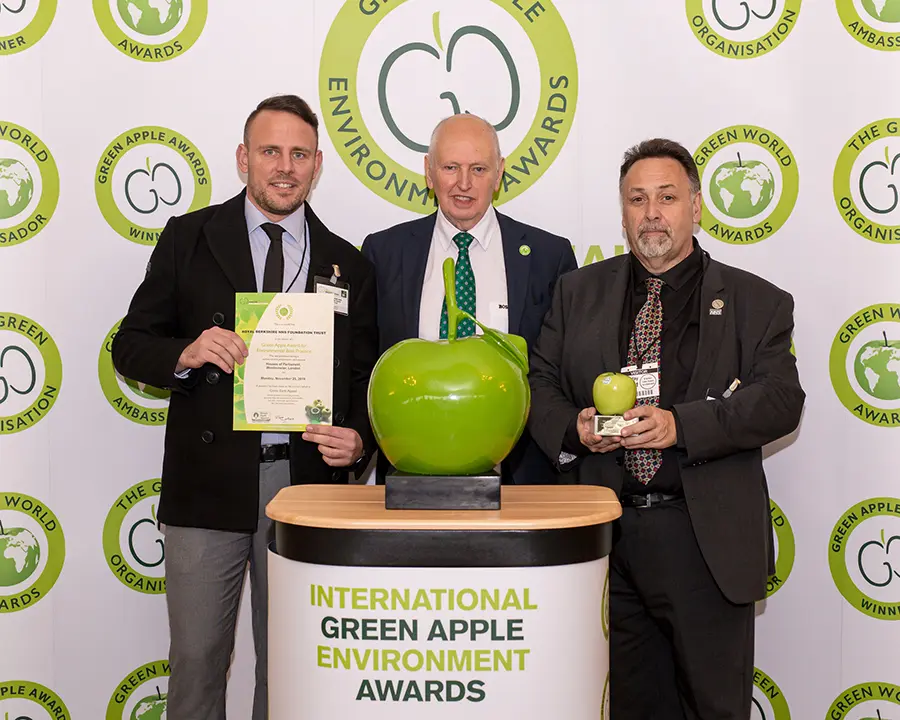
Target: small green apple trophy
[(614, 394), (447, 412)]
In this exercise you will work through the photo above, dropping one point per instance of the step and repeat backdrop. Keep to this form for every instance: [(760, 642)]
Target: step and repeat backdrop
[(117, 114)]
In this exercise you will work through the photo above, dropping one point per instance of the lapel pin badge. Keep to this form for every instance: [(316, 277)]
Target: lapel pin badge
[(524, 250), (717, 306)]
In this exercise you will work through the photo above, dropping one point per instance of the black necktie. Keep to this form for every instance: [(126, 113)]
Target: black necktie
[(273, 275)]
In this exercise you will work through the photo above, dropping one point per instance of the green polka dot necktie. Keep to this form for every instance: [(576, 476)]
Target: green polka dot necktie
[(465, 288)]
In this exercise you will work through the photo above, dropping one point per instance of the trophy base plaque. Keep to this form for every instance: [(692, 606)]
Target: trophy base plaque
[(611, 425), (404, 491)]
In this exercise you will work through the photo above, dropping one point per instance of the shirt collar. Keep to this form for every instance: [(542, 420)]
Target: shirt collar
[(675, 277), (294, 224), (482, 231)]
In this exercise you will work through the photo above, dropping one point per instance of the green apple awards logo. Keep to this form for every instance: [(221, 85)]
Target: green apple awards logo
[(865, 181), (141, 695), (866, 701), (767, 701), (784, 550), (874, 23), (742, 29), (390, 72), (864, 556), (147, 175), (865, 364), (23, 700), (151, 30), (23, 23), (750, 176), (29, 182), (32, 551), (137, 401), (134, 548), (30, 373)]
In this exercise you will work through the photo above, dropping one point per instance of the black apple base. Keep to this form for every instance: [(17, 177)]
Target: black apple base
[(404, 491)]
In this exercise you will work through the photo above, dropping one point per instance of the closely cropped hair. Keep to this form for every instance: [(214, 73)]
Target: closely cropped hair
[(284, 103), (661, 148)]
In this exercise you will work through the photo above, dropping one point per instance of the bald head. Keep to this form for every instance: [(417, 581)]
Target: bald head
[(464, 124)]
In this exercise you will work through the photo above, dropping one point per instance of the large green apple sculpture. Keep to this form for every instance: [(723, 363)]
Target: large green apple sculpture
[(454, 406)]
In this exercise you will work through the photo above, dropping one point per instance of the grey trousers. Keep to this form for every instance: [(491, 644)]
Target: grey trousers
[(204, 578)]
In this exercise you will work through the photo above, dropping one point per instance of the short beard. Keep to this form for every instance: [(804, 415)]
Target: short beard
[(654, 246), (272, 206)]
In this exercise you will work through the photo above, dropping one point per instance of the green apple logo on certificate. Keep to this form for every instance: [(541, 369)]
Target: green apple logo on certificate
[(285, 383)]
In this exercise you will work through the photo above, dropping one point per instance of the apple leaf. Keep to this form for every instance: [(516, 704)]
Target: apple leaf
[(148, 165), (436, 27), (153, 512), (887, 157), (882, 537)]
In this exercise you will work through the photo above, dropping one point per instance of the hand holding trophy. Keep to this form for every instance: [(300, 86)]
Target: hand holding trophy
[(614, 394)]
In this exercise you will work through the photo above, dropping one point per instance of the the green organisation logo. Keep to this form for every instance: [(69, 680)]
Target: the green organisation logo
[(29, 183), (24, 700), (865, 181), (864, 557), (147, 175), (874, 23), (390, 72), (32, 551), (767, 701), (137, 401), (141, 695), (784, 544), (865, 364), (742, 29), (151, 30), (866, 701), (133, 546), (23, 23), (750, 181), (30, 373)]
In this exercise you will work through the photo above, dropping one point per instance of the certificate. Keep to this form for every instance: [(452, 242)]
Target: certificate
[(285, 382)]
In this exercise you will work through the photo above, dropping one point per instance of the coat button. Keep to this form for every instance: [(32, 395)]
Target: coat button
[(213, 376), (339, 417), (218, 318), (336, 475), (207, 436), (337, 363)]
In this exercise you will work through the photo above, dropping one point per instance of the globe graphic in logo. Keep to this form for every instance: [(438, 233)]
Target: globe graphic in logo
[(150, 708), (149, 392), (16, 188), (742, 189), (19, 556), (884, 10), (151, 17), (877, 368)]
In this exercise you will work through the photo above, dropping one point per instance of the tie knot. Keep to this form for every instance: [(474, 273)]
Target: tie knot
[(273, 231), (463, 240), (654, 285)]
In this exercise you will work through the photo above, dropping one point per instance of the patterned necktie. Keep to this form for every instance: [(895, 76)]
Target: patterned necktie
[(465, 289), (273, 274), (645, 347)]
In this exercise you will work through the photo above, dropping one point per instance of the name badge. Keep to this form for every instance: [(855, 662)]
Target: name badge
[(646, 379), (339, 291)]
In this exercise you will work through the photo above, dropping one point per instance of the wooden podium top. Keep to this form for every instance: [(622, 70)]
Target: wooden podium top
[(524, 507)]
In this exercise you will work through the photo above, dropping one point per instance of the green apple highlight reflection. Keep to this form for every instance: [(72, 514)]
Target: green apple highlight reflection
[(454, 406), (614, 393)]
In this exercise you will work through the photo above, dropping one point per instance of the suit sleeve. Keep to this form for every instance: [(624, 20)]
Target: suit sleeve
[(147, 348), (765, 407), (364, 336)]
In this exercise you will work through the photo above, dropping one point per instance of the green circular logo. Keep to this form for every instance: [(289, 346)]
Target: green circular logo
[(30, 373), (18, 699), (865, 181), (24, 23), (32, 551), (29, 184), (478, 53), (866, 701), (878, 27), (784, 561), (141, 695), (147, 175), (767, 702), (133, 546), (865, 364), (864, 557), (750, 176), (151, 30), (742, 30), (140, 403)]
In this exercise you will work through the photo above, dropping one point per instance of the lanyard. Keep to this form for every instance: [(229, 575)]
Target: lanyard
[(303, 256)]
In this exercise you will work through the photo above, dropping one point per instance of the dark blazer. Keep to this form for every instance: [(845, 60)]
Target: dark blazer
[(210, 475), (400, 255), (721, 467)]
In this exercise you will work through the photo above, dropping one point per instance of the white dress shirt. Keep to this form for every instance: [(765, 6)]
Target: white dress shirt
[(486, 257)]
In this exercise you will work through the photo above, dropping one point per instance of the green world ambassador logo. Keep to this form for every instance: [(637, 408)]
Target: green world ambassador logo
[(750, 179), (32, 551), (864, 557), (23, 23), (24, 700), (876, 27), (141, 695), (137, 401), (30, 373), (865, 181), (742, 29), (866, 701), (471, 49), (147, 175), (151, 30), (29, 184), (767, 701), (784, 562), (134, 548), (865, 364)]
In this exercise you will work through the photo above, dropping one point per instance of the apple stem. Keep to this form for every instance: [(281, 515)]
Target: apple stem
[(740, 164), (2, 531), (884, 332), (158, 693), (449, 269)]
